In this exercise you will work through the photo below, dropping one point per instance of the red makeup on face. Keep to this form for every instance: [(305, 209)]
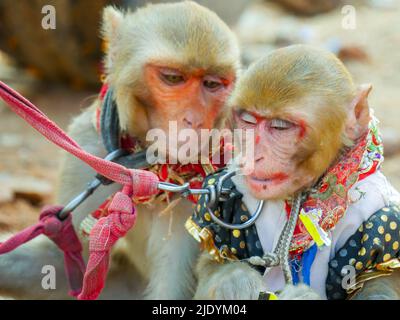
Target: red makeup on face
[(258, 184), (276, 140), (302, 125)]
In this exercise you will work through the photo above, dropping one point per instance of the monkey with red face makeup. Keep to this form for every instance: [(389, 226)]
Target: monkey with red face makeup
[(329, 224)]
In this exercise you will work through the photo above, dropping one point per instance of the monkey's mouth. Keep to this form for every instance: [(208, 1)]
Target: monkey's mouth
[(275, 178), (262, 180)]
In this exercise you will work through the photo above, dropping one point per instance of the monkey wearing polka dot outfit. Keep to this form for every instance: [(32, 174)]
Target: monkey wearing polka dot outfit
[(316, 162)]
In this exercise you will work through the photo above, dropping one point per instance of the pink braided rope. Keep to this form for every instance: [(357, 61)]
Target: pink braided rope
[(103, 236), (108, 230), (64, 236)]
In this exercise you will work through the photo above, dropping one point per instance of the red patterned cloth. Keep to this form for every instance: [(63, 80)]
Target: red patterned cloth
[(332, 197)]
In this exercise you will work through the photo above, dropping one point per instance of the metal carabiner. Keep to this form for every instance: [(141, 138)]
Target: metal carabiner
[(218, 193), (175, 188), (92, 186), (183, 189)]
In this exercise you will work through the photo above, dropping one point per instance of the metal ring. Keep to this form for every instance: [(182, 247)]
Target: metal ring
[(221, 181), (211, 197), (239, 226)]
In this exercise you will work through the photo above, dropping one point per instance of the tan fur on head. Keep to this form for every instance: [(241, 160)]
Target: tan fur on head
[(184, 34), (311, 84), (292, 73)]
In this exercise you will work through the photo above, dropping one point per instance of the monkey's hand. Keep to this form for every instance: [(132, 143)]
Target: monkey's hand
[(298, 292), (384, 288), (228, 281)]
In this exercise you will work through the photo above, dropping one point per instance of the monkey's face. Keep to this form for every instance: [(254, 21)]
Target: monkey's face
[(272, 172), (181, 100)]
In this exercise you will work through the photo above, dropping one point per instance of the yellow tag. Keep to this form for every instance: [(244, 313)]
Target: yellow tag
[(272, 296), (310, 221), (267, 295)]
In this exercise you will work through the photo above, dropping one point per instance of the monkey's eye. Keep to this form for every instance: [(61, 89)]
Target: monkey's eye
[(280, 124), (248, 117), (172, 77), (212, 83)]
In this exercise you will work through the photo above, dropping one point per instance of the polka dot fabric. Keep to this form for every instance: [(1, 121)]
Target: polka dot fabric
[(241, 243), (376, 241)]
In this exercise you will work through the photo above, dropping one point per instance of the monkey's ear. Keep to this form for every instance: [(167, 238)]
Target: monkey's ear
[(359, 113), (112, 20)]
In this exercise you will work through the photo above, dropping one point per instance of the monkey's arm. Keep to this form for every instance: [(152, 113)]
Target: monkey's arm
[(21, 270), (173, 256), (228, 281)]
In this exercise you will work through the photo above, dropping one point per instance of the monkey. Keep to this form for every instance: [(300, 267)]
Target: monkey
[(165, 62), (316, 164)]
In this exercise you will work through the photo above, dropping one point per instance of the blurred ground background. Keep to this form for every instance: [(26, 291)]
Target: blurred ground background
[(28, 163)]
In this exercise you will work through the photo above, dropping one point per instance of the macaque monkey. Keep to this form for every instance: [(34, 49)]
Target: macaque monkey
[(313, 134), (165, 62)]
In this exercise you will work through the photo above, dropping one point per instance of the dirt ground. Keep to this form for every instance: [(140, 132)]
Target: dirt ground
[(28, 163)]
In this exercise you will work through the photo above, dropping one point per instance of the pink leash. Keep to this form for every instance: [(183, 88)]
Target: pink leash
[(107, 230)]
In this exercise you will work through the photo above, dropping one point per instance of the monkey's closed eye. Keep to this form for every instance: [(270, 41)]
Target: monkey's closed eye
[(248, 117), (280, 124)]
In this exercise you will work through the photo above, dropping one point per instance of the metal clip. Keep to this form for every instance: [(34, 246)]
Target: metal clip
[(214, 194), (175, 188), (184, 189), (92, 186)]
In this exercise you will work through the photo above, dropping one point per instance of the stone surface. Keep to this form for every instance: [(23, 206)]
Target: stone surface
[(31, 189)]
